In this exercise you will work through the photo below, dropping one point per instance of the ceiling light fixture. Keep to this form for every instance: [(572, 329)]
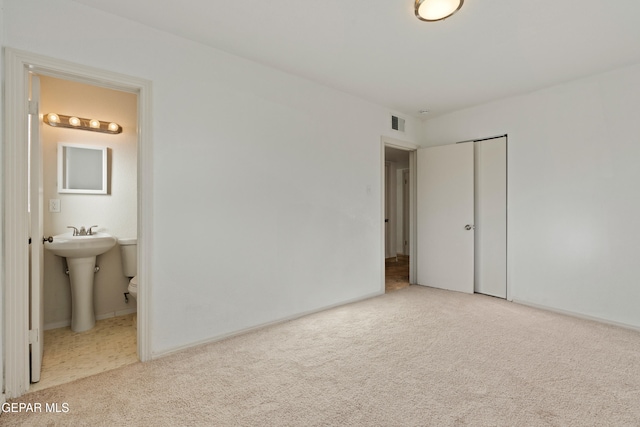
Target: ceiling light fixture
[(436, 10), (72, 122)]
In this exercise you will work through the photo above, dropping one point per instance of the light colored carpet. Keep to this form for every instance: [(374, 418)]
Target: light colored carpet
[(414, 357)]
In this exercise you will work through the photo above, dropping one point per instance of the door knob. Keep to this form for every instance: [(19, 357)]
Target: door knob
[(47, 239), (469, 227)]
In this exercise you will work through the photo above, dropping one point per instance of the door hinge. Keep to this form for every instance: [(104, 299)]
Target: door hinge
[(33, 336), (33, 107)]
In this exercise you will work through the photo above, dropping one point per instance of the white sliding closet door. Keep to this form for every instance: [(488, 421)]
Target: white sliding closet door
[(491, 217)]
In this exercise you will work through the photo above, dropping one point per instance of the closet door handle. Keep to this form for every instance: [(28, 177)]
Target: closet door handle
[(469, 227)]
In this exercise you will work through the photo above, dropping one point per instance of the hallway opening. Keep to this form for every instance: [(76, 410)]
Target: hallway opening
[(396, 218)]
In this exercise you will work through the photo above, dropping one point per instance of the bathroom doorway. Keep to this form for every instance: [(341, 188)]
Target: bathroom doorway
[(19, 66), (112, 342)]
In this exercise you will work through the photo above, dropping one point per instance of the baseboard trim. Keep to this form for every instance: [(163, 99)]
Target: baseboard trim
[(57, 325), (65, 323), (116, 313), (577, 315), (173, 350)]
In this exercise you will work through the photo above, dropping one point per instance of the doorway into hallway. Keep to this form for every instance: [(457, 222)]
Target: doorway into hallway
[(397, 236)]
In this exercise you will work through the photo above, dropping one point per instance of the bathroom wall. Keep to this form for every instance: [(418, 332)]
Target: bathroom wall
[(114, 213)]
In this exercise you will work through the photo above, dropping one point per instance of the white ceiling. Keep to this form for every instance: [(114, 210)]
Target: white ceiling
[(379, 51)]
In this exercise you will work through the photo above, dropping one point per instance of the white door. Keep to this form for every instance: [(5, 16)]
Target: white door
[(37, 233), (405, 212), (445, 199), (491, 217), (387, 237)]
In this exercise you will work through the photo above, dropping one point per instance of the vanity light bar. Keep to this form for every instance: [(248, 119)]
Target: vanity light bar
[(73, 122)]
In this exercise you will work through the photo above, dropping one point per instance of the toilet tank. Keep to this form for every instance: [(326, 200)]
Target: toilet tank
[(129, 252)]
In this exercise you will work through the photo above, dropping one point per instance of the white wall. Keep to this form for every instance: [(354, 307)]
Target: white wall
[(114, 213), (266, 186), (573, 197)]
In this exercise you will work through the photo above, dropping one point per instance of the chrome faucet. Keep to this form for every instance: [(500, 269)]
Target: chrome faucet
[(83, 231)]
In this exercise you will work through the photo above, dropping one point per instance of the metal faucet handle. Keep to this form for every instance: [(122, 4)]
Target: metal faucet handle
[(90, 231), (75, 230)]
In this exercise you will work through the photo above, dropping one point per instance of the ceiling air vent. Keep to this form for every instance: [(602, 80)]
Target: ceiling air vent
[(397, 123)]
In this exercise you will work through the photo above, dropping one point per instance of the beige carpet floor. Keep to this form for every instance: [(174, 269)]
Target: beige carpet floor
[(414, 357)]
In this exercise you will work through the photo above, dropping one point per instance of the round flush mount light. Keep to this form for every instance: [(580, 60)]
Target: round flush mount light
[(436, 10)]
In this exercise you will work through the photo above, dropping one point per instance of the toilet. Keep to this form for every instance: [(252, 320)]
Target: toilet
[(129, 252)]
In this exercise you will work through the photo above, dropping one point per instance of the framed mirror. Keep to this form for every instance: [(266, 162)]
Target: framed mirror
[(82, 169)]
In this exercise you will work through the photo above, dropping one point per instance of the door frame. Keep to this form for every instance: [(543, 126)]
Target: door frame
[(15, 280), (36, 223), (386, 141)]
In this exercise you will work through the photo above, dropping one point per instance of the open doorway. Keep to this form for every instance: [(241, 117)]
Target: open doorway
[(397, 216), (18, 67), (69, 349)]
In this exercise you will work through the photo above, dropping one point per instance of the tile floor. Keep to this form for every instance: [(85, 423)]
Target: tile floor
[(70, 355)]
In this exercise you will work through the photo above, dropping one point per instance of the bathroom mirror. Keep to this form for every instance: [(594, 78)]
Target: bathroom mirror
[(82, 169)]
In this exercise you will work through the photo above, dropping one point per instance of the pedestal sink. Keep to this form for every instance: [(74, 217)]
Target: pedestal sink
[(81, 252)]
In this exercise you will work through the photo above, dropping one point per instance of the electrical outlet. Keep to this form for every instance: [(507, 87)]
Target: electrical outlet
[(54, 205)]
